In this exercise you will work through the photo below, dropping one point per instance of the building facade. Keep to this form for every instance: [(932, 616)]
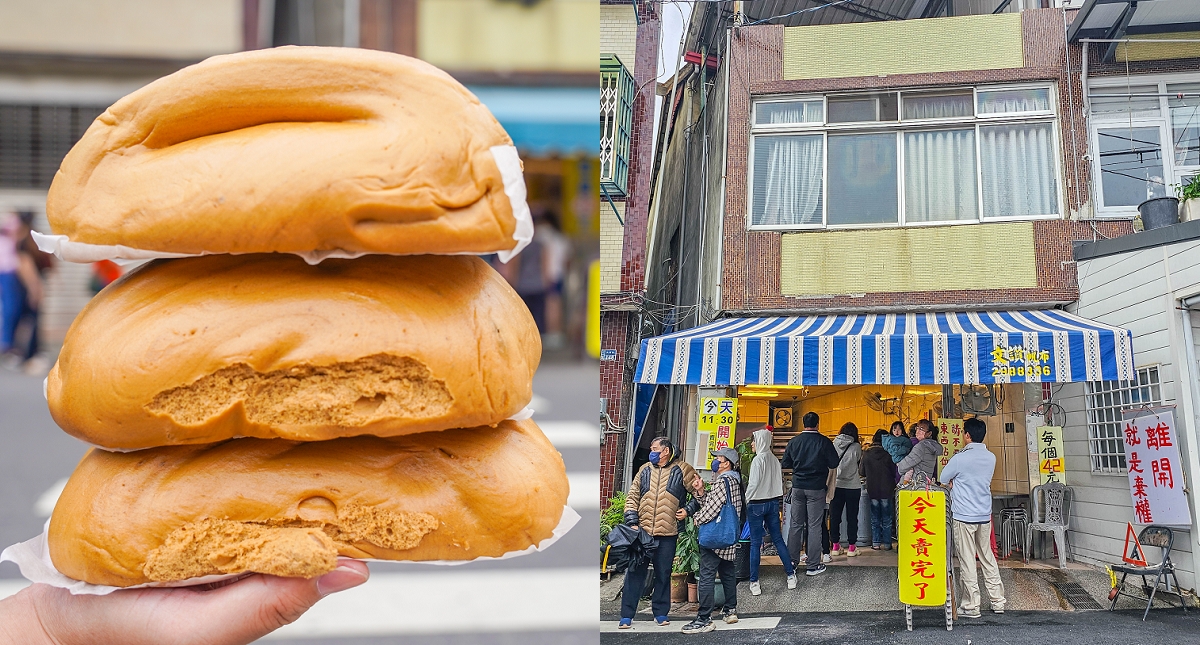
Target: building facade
[(845, 193)]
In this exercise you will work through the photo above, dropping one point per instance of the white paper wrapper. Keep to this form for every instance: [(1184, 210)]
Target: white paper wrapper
[(506, 159), (32, 557)]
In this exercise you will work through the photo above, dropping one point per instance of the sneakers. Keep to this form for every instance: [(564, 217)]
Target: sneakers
[(816, 572), (803, 558), (974, 613), (698, 627), (754, 588), (730, 617), (851, 551), (791, 583), (826, 558), (997, 610), (662, 620), (626, 623), (837, 549)]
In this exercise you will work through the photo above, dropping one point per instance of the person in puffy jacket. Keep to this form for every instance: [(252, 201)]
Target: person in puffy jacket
[(881, 474), (764, 494), (656, 501), (896, 442), (847, 491), (925, 454)]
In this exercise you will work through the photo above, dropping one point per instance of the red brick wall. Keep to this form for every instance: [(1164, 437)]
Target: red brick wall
[(614, 328), (752, 258)]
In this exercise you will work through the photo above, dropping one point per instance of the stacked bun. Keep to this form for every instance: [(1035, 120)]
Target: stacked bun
[(254, 412)]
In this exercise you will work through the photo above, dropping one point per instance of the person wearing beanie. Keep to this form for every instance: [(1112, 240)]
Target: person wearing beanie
[(765, 494), (847, 491), (881, 474)]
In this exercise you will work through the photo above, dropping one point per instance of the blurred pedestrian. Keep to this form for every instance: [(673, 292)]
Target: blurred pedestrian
[(548, 231), (528, 274), (847, 491), (812, 460), (12, 294), (969, 474), (881, 475), (925, 453), (31, 265), (656, 502), (727, 487), (897, 443), (764, 491)]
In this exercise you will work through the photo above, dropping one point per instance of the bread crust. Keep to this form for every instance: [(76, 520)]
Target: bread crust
[(490, 491), (198, 350), (290, 149)]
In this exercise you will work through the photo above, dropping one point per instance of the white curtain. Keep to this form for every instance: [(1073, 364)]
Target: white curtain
[(1018, 170), (787, 180), (917, 106), (1009, 101), (939, 176), (790, 112)]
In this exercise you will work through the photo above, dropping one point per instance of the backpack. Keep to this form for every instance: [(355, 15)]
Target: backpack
[(723, 531)]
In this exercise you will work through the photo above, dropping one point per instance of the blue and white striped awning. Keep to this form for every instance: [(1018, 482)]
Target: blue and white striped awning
[(916, 349)]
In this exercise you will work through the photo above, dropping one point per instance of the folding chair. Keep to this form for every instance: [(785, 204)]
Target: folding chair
[(1163, 538)]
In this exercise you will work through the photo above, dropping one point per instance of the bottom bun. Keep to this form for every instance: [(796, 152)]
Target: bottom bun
[(290, 508)]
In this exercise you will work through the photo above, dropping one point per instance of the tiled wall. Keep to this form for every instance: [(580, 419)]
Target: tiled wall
[(612, 236), (618, 32)]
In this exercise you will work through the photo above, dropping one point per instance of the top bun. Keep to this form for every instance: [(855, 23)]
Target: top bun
[(296, 150)]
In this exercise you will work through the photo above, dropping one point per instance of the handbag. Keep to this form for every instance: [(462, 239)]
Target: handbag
[(722, 532)]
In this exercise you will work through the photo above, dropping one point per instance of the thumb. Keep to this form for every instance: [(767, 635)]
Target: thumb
[(258, 605)]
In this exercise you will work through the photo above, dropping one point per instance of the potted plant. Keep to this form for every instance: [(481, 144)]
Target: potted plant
[(1189, 199), (686, 563)]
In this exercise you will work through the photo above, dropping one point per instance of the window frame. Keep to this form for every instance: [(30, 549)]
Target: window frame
[(1172, 173), (1091, 425), (900, 127)]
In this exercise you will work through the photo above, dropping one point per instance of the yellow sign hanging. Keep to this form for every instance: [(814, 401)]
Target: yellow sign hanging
[(950, 436), (922, 547), (718, 417), (1051, 462)]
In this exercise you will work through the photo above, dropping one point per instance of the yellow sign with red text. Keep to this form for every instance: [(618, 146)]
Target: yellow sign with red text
[(922, 547), (950, 435), (718, 418)]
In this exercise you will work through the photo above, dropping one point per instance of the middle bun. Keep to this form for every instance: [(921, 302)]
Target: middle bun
[(204, 349)]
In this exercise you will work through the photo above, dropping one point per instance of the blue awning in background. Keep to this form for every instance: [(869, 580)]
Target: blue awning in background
[(546, 120), (917, 349)]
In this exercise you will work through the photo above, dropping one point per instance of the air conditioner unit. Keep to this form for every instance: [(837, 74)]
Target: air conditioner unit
[(1069, 4)]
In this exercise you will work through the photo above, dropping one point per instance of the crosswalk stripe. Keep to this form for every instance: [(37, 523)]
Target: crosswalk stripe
[(571, 434), (642, 627), (585, 491), (456, 601)]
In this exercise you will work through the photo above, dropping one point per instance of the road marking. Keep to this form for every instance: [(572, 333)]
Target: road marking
[(571, 434), (646, 626), (455, 601), (585, 491), (44, 505)]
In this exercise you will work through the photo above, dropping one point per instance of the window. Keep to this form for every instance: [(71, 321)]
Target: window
[(1105, 400), (35, 138), (616, 123), (908, 157), (1146, 136)]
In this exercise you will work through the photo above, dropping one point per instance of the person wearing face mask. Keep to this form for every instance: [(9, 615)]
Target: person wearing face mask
[(925, 453), (656, 501), (727, 487)]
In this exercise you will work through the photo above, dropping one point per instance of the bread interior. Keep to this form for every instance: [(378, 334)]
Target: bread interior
[(349, 394), (295, 547)]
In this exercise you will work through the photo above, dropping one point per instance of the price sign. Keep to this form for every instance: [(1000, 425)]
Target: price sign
[(1051, 464)]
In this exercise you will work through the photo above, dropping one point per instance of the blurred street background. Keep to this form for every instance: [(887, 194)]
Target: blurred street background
[(532, 62)]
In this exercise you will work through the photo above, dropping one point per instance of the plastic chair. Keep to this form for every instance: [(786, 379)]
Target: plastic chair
[(1163, 538), (1051, 505)]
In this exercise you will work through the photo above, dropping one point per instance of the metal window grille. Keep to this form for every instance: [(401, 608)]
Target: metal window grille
[(616, 124), (1105, 400), (35, 138)]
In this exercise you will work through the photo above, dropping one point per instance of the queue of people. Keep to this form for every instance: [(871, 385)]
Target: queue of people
[(827, 482)]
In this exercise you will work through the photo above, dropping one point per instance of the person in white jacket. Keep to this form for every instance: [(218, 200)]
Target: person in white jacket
[(848, 491), (764, 495)]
